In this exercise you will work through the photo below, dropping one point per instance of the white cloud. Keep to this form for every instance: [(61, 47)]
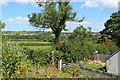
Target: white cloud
[(84, 22), (110, 4), (10, 20), (23, 1), (103, 4), (19, 20), (26, 18), (3, 2), (96, 26), (90, 4), (22, 18)]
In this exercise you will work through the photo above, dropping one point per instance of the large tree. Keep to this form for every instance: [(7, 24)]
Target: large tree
[(81, 33), (54, 15), (112, 28)]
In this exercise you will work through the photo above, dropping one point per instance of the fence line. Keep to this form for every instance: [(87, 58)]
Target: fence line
[(90, 73)]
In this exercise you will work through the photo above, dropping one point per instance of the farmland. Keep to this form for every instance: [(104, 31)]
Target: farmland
[(34, 44), (19, 42), (38, 49), (57, 40), (35, 48)]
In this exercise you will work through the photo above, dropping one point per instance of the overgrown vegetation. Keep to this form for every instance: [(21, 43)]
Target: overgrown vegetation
[(77, 46), (14, 61), (29, 54), (82, 44)]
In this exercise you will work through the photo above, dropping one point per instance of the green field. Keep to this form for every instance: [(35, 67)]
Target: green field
[(35, 44), (25, 40), (32, 42), (38, 47), (93, 66)]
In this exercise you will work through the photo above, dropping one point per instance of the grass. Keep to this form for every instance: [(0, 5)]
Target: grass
[(93, 66), (32, 42), (48, 72), (1, 76), (25, 39), (38, 47)]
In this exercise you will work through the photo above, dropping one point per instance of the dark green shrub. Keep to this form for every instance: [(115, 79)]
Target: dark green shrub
[(42, 56), (72, 70), (35, 44)]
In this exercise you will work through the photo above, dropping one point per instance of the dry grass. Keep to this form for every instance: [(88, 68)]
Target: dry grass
[(49, 72)]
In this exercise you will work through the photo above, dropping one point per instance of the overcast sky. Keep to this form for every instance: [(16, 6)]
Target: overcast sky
[(14, 13)]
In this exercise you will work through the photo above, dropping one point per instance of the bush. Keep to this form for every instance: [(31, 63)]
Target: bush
[(72, 70), (38, 56), (75, 50), (14, 60), (35, 44), (82, 44), (43, 57)]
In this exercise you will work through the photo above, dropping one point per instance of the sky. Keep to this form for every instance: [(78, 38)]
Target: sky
[(96, 12)]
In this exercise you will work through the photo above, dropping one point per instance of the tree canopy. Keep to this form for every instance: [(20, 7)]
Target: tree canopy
[(81, 33), (54, 15), (112, 28)]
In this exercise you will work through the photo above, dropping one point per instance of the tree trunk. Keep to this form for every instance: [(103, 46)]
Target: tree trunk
[(57, 35)]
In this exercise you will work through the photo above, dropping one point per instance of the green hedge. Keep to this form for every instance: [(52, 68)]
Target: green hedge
[(25, 40), (43, 57), (34, 44), (36, 37)]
